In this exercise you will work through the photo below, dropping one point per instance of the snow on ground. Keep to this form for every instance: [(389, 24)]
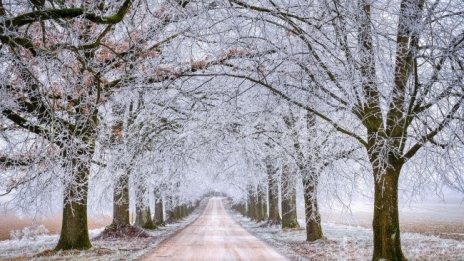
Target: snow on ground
[(129, 249), (344, 242)]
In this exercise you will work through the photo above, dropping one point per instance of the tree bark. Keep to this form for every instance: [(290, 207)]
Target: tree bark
[(142, 210), (74, 229), (313, 218), (173, 210), (159, 211), (252, 204), (288, 203), (143, 218), (262, 204), (121, 202), (387, 242), (273, 195)]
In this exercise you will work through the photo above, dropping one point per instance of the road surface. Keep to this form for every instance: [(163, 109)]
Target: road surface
[(214, 236)]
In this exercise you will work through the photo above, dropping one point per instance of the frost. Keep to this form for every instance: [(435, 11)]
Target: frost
[(117, 249), (127, 103), (28, 233), (344, 242)]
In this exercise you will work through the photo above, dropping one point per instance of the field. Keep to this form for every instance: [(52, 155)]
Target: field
[(11, 222), (445, 220)]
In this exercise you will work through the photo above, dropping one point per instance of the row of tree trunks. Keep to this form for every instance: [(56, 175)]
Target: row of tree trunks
[(256, 205), (289, 213), (240, 207), (262, 196), (179, 212), (143, 218)]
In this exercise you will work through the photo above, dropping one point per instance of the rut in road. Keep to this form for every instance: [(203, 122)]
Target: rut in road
[(214, 236)]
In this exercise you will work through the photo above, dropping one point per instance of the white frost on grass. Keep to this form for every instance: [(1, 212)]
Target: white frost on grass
[(344, 242), (118, 249), (28, 246)]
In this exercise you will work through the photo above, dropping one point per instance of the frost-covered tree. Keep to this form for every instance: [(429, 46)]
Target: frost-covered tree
[(160, 95), (62, 61), (386, 74), (52, 54)]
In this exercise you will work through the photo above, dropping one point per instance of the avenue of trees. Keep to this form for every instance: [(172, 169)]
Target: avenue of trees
[(154, 103)]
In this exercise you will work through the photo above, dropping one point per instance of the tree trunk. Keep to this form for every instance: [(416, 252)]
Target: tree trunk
[(138, 207), (387, 243), (262, 204), (288, 203), (313, 218), (169, 207), (74, 229), (121, 202), (143, 218), (273, 195), (159, 210)]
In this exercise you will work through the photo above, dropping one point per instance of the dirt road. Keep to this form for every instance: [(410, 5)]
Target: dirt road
[(214, 236)]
